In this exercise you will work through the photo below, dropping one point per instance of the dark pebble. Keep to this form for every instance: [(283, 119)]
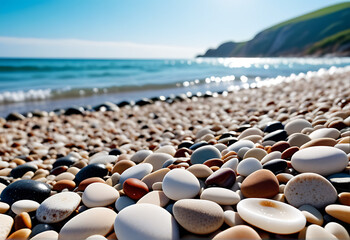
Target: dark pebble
[(20, 170), (276, 166), (42, 227), (185, 144), (64, 161), (341, 181), (25, 189), (273, 126), (115, 152), (58, 170), (92, 170), (15, 117), (198, 145), (225, 178), (74, 111), (123, 104), (278, 135), (5, 181), (182, 152)]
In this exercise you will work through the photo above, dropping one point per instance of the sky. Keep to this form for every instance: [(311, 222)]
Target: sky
[(136, 28)]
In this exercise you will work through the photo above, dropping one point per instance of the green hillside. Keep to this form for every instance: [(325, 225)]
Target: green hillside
[(298, 36)]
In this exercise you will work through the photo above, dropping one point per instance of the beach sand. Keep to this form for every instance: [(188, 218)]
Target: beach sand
[(321, 99)]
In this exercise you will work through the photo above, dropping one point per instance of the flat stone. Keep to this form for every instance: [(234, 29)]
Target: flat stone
[(155, 197), (140, 155), (200, 170), (340, 212), (98, 220), (325, 133), (240, 144), (311, 189), (135, 188), (232, 163), (139, 171), (316, 232), (289, 152), (298, 139), (198, 216), (25, 189), (64, 184), (23, 233), (248, 166), (311, 214), (123, 202), (156, 176), (65, 176), (64, 161), (168, 149), (221, 196), (157, 160), (204, 153), (341, 181), (83, 184), (270, 215), (24, 206), (345, 147), (180, 184), (122, 165), (58, 207), (50, 234), (6, 223), (337, 230), (260, 184), (99, 195), (224, 177), (279, 146), (321, 159), (238, 232), (296, 126), (147, 222), (92, 170)]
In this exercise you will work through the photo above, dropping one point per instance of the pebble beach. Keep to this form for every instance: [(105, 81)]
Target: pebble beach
[(270, 162)]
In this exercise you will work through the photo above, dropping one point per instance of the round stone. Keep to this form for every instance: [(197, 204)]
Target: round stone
[(276, 166), (140, 155), (340, 212), (317, 232), (298, 139), (123, 202), (296, 126), (63, 184), (271, 156), (50, 234), (135, 188), (180, 184), (240, 144), (93, 221), (311, 214), (257, 153), (155, 197), (224, 177), (147, 222), (221, 196), (25, 189), (168, 149), (58, 207), (198, 216), (311, 189), (238, 232), (89, 181), (157, 160), (202, 154), (250, 132), (248, 166), (232, 163), (260, 184), (99, 195), (24, 206), (92, 170), (139, 171), (325, 133), (200, 170), (270, 215), (122, 165), (20, 170), (23, 233), (64, 161), (321, 159)]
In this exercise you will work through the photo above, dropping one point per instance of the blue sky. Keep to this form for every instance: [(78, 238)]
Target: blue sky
[(136, 28)]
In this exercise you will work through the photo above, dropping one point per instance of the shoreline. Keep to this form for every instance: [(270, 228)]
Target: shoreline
[(224, 160)]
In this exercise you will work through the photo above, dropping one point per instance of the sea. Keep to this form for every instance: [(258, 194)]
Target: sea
[(48, 84)]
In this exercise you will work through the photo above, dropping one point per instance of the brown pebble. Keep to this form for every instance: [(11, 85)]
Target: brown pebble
[(22, 220), (320, 142), (58, 170), (280, 146), (20, 234), (284, 177), (260, 184), (183, 152), (63, 184), (18, 161), (238, 232), (122, 165), (338, 124), (214, 162), (135, 188), (88, 181), (214, 168), (344, 198), (288, 153)]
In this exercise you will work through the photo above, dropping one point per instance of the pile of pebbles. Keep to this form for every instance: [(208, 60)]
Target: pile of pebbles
[(267, 163)]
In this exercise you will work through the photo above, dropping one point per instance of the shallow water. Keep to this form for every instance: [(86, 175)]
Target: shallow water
[(45, 84)]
